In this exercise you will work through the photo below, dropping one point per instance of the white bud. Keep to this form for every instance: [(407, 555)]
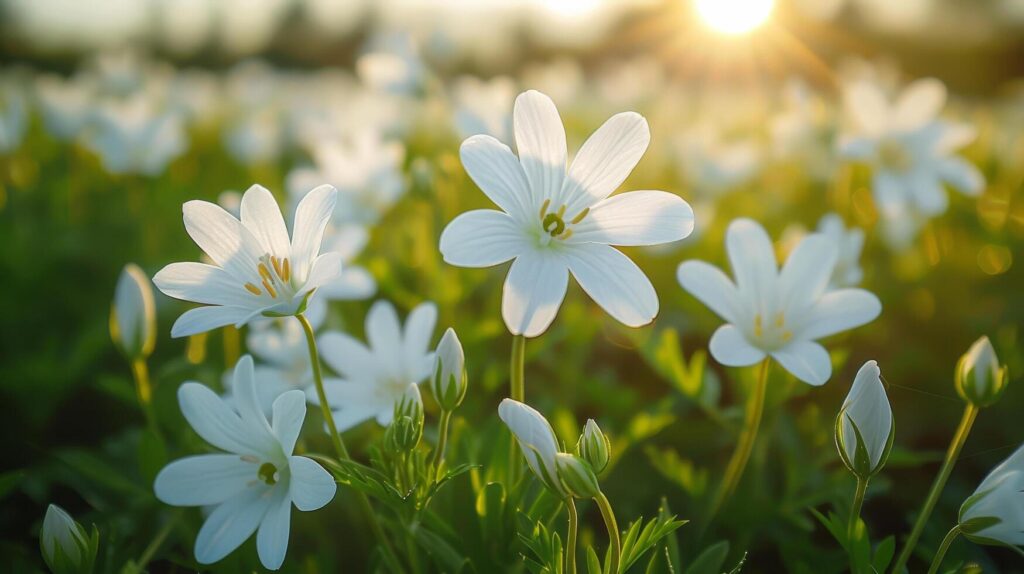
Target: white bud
[(994, 514), (577, 476), (133, 314), (448, 383), (980, 379), (537, 440), (63, 542), (864, 429), (594, 447)]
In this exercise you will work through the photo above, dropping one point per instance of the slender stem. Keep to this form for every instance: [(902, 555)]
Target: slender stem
[(734, 471), (970, 413), (156, 543), (570, 537), (339, 446), (858, 502), (943, 548), (442, 440), (144, 391), (518, 393), (613, 531)]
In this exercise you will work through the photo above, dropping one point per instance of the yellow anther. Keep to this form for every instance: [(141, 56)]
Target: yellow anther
[(566, 235), (252, 289), (787, 336), (561, 211), (266, 285), (287, 271), (579, 217), (780, 319), (758, 327), (277, 266), (264, 272), (544, 208)]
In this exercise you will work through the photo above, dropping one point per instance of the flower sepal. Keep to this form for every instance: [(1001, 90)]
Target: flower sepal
[(594, 446), (577, 476), (406, 428), (300, 309), (860, 464)]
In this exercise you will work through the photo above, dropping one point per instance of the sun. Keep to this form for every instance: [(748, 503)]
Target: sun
[(734, 17)]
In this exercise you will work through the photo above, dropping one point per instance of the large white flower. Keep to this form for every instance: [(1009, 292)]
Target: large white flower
[(253, 485), (777, 312), (555, 221), (1000, 497), (910, 150), (258, 271), (375, 377)]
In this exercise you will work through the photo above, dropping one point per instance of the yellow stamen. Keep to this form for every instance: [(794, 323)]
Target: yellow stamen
[(580, 216), (561, 211), (787, 336), (266, 285), (544, 208), (252, 289), (264, 272), (287, 271), (758, 327), (780, 320), (277, 266), (566, 234)]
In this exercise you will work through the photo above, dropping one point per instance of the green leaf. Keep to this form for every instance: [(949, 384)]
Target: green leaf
[(593, 562), (682, 472), (710, 561), (883, 554), (446, 557)]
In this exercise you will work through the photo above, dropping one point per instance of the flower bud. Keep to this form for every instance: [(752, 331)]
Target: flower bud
[(65, 546), (594, 447), (980, 380), (577, 476), (133, 314), (406, 428), (536, 439), (992, 515), (449, 381), (864, 427)]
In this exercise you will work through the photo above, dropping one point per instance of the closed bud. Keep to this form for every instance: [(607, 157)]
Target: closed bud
[(594, 447), (65, 545), (864, 427), (980, 379), (406, 428), (449, 381), (537, 441), (577, 476), (133, 314)]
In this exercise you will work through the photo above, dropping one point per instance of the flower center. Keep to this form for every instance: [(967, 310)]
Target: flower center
[(268, 473), (275, 277), (772, 334), (894, 156), (554, 225)]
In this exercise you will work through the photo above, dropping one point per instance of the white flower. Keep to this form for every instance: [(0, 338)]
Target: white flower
[(1001, 497), (133, 314), (64, 543), (131, 136), (66, 105), (375, 377), (537, 441), (713, 165), (255, 136), (355, 282), (849, 243), (773, 312), (910, 151), (481, 107), (257, 270), (867, 407), (253, 485), (553, 221)]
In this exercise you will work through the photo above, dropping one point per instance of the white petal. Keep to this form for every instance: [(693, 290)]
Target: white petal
[(868, 406), (348, 240), (312, 487), (605, 160), (807, 271), (806, 360), (729, 347), (856, 148), (540, 139), (867, 106), (231, 524), (919, 104), (203, 319), (347, 356), (311, 217), (247, 401), (216, 422), (383, 329), (840, 310), (962, 175), (495, 169), (710, 286), (289, 411), (533, 292), (203, 480), (482, 238), (636, 218), (354, 284), (202, 283), (352, 402), (889, 192), (419, 329), (752, 259), (536, 439), (614, 282), (223, 238), (325, 268), (928, 193), (272, 537), (262, 217)]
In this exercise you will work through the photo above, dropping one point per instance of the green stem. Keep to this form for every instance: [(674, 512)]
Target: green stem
[(339, 446), (442, 440), (738, 462), (518, 393), (858, 502), (943, 548), (970, 413), (156, 543), (570, 538), (613, 532), (144, 392)]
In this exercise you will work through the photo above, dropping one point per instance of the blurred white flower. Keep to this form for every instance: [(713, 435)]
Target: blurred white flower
[(802, 131), (66, 104), (867, 408), (365, 169), (13, 116), (391, 63), (355, 282), (132, 136), (133, 314), (849, 243), (910, 150), (537, 441), (255, 137), (555, 221), (375, 377), (483, 106), (258, 271), (994, 514), (562, 78), (713, 165), (773, 312), (252, 486)]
